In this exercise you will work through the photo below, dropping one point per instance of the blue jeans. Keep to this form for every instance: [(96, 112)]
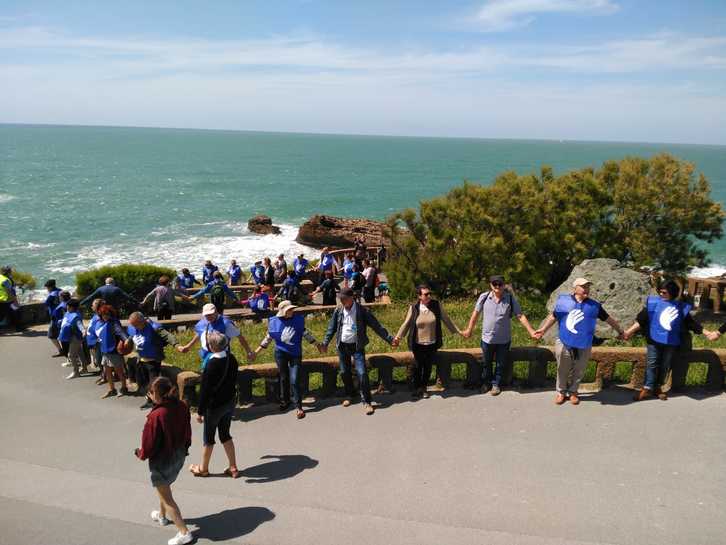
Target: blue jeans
[(288, 367), (659, 358), (491, 353), (346, 353)]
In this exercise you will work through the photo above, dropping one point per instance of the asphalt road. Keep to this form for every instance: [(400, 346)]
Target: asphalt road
[(469, 469)]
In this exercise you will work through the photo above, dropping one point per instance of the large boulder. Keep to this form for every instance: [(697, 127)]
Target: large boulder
[(621, 291), (262, 225), (320, 231)]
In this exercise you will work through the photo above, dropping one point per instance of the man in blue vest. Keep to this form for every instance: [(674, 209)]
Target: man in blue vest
[(149, 340), (288, 330), (257, 273), (349, 325), (300, 266), (218, 291), (214, 321), (663, 320), (186, 280), (577, 316), (208, 270), (234, 273)]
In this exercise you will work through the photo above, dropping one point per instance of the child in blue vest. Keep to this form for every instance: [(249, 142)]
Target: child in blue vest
[(288, 330), (664, 320), (70, 335), (52, 300), (56, 318), (109, 333), (577, 316), (92, 343)]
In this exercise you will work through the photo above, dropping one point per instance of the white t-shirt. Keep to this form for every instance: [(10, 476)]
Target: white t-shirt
[(349, 329), (230, 332)]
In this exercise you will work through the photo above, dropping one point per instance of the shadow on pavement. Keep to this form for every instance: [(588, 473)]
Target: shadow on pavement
[(230, 524), (283, 466)]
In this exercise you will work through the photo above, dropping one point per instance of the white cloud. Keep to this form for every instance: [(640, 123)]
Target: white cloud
[(500, 15)]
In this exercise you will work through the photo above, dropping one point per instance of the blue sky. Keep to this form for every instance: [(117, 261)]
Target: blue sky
[(562, 69)]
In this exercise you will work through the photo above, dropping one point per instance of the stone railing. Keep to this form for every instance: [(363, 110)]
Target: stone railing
[(536, 358)]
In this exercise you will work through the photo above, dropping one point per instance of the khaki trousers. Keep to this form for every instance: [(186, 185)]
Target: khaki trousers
[(570, 369)]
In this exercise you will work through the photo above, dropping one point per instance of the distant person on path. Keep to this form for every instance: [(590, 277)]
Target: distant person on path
[(348, 267), (211, 321), (208, 270), (234, 274), (329, 288), (268, 273), (112, 294), (71, 337), (425, 336), (370, 273), (149, 340), (349, 325), (186, 280), (280, 269), (52, 300), (361, 252), (109, 333), (57, 317), (257, 273), (217, 401), (165, 442), (218, 291), (382, 255), (300, 266), (288, 330), (164, 302), (664, 320), (94, 347), (577, 315), (9, 299), (498, 306)]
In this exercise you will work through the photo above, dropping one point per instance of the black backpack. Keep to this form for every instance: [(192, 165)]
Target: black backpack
[(216, 295)]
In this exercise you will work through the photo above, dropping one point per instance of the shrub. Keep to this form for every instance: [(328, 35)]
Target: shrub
[(23, 280), (534, 229), (135, 279)]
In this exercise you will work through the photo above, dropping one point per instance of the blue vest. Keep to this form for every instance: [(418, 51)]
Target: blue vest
[(326, 262), (207, 273), (107, 336), (146, 341), (69, 328), (235, 273), (186, 281), (287, 334), (259, 303), (299, 265), (91, 337), (577, 320), (204, 326), (258, 273), (348, 269), (666, 319), (52, 300), (58, 312)]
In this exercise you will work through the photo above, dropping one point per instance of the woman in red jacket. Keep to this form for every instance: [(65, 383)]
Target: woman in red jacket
[(165, 443)]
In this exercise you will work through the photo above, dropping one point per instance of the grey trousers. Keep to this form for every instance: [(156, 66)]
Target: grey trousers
[(570, 369), (76, 354)]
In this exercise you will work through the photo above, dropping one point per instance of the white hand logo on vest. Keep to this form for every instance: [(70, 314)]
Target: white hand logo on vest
[(287, 335), (667, 317), (574, 317)]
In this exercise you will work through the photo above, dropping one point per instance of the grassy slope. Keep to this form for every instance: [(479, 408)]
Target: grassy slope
[(459, 310)]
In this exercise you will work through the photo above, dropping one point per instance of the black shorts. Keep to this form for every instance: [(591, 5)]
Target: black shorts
[(219, 418)]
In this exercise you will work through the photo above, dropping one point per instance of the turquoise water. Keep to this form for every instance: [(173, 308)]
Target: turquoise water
[(76, 197)]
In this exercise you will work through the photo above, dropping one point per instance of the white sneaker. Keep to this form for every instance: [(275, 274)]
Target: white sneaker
[(73, 375), (181, 539), (156, 517), (66, 364)]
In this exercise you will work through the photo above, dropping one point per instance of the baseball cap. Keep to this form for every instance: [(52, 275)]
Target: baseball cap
[(496, 278), (580, 282), (208, 309)]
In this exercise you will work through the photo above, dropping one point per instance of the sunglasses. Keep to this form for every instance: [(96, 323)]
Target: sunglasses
[(497, 284), (426, 294)]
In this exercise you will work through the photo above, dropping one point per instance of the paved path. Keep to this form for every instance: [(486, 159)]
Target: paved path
[(457, 470)]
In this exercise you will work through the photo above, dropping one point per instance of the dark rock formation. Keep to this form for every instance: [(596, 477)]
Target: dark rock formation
[(320, 231), (621, 291), (262, 225)]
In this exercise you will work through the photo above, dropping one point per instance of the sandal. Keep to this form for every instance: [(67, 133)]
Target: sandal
[(197, 472), (300, 414), (234, 473)]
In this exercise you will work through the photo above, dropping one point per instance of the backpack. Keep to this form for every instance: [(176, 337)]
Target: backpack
[(216, 295), (488, 294)]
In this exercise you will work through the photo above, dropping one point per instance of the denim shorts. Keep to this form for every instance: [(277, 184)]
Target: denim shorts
[(166, 470)]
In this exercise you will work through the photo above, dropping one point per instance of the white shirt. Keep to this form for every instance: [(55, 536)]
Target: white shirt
[(230, 332), (349, 330)]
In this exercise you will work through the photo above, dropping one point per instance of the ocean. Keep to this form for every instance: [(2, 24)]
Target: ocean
[(72, 198)]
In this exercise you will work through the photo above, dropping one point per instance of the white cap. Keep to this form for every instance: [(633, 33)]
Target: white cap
[(580, 282), (283, 307), (208, 309)]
